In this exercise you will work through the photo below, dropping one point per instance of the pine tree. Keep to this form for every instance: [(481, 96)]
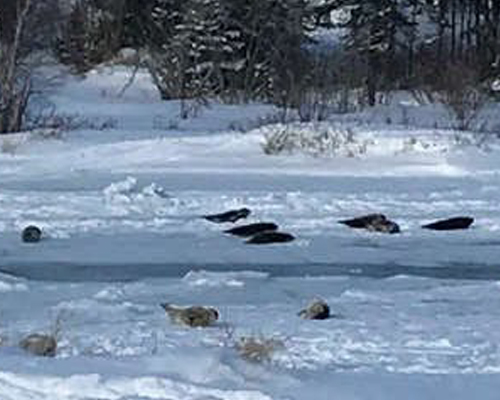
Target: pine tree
[(189, 46), (272, 35), (73, 45), (202, 47), (374, 26), (91, 35)]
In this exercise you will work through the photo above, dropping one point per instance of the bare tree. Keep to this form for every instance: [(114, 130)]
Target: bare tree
[(462, 94), (15, 81), (22, 39)]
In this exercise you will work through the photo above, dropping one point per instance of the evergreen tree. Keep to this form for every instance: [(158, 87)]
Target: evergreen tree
[(375, 27), (92, 33), (190, 46), (272, 35)]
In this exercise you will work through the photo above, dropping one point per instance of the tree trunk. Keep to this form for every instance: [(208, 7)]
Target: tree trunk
[(453, 45), (13, 99), (372, 77)]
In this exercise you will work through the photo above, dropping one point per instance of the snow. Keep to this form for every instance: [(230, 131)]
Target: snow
[(495, 86), (416, 314)]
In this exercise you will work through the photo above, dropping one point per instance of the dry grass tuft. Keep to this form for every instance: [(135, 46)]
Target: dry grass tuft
[(258, 349), (9, 144)]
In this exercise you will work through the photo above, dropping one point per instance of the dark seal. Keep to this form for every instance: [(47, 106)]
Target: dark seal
[(252, 229), (270, 237), (40, 345), (228, 216), (450, 224), (31, 234), (193, 316), (318, 309), (372, 223)]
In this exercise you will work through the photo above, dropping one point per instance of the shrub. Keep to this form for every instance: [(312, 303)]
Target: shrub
[(315, 139), (50, 125), (10, 143), (460, 91)]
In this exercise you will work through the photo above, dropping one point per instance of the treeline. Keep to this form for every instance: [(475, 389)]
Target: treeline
[(269, 50), (194, 48), (416, 43)]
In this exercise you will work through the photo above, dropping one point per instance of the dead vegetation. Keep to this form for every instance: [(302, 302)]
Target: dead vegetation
[(258, 349)]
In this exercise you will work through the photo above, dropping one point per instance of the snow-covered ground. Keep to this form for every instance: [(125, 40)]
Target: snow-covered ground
[(120, 209)]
